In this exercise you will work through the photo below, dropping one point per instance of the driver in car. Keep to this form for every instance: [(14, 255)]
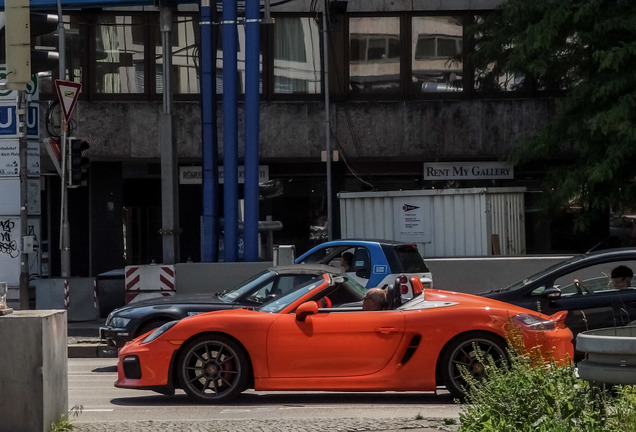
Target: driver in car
[(622, 277)]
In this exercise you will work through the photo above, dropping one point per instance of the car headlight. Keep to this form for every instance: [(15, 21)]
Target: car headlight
[(119, 322), (159, 331)]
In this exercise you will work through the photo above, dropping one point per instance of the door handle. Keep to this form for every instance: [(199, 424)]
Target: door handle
[(386, 330)]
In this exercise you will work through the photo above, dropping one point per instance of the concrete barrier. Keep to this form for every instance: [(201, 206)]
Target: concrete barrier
[(111, 291), (481, 274), (470, 275), (49, 294), (33, 370), (194, 278)]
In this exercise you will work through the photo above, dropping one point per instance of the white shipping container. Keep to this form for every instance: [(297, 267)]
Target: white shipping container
[(443, 222)]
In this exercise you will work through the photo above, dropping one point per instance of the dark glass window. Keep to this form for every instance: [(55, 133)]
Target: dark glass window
[(437, 62), (374, 63), (120, 53), (297, 56)]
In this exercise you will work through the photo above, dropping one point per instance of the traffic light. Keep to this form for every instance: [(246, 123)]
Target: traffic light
[(44, 42), (77, 162), (20, 27)]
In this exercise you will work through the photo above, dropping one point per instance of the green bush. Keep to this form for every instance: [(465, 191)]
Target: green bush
[(527, 396), (64, 423)]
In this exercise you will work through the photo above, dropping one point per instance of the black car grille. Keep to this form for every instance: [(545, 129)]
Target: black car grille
[(131, 367)]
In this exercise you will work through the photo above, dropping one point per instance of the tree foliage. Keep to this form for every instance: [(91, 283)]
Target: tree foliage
[(584, 51)]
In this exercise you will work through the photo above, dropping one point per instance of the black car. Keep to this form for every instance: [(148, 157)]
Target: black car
[(128, 322), (581, 285)]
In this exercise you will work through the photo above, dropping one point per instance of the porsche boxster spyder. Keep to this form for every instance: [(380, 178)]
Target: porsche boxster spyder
[(293, 344)]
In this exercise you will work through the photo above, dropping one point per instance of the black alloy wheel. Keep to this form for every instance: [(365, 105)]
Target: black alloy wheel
[(213, 369), (467, 355)]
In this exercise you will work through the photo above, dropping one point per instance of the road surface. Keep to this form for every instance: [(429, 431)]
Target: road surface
[(105, 408)]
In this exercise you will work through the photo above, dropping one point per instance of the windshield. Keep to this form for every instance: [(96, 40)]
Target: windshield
[(282, 302), (245, 287), (540, 274)]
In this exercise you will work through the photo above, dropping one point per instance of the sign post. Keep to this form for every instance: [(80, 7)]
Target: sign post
[(67, 93)]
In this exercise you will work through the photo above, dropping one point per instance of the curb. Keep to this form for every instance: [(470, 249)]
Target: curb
[(90, 351)]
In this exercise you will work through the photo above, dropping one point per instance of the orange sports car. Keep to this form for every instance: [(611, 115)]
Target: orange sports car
[(293, 344)]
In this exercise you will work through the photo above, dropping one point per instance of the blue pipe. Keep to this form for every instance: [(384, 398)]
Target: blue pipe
[(209, 238), (252, 44), (230, 131)]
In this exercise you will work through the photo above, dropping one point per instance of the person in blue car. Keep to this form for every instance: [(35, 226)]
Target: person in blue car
[(346, 261)]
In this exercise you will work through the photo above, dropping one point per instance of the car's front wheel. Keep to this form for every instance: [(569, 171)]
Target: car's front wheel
[(466, 356), (213, 369)]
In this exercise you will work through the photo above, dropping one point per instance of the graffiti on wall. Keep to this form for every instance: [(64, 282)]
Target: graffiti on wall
[(8, 242), (9, 238)]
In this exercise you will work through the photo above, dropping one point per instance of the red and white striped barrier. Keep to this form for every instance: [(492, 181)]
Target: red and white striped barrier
[(67, 294), (148, 281), (95, 293)]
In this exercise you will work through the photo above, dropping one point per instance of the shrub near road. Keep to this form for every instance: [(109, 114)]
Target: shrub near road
[(532, 397)]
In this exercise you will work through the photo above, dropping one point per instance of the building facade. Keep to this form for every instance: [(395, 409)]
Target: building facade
[(401, 97)]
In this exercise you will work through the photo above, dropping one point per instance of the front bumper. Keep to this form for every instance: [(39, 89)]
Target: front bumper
[(114, 337), (146, 366)]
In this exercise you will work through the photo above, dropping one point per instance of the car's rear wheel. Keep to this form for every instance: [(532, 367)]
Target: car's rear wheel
[(467, 355), (213, 369)]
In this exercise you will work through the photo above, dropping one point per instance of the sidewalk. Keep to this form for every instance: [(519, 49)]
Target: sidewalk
[(83, 340)]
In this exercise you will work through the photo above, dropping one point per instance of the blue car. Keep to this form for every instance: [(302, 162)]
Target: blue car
[(375, 263)]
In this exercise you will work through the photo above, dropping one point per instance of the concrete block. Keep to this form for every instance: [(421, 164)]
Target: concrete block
[(33, 369), (201, 278), (111, 291), (475, 275), (49, 294)]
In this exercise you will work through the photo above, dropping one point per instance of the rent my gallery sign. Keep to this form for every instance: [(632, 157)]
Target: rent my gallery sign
[(467, 171)]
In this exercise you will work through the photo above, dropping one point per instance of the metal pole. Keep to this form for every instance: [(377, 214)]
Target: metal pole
[(325, 71), (169, 191), (252, 44), (209, 229), (230, 132), (65, 234), (22, 145)]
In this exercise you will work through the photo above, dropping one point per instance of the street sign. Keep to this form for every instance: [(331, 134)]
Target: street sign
[(67, 93)]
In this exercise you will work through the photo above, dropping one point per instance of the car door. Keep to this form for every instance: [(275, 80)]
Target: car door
[(333, 344), (589, 296)]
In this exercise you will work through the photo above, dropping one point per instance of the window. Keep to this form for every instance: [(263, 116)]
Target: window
[(406, 56), (185, 61), (374, 55), (490, 79), (75, 54), (297, 56), (120, 42), (437, 63)]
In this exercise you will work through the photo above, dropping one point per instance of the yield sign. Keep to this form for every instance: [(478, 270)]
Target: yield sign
[(67, 93)]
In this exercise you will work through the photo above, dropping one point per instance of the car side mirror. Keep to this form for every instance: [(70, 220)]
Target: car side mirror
[(306, 309), (551, 293)]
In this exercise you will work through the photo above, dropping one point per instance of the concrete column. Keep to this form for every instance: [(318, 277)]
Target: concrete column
[(33, 369)]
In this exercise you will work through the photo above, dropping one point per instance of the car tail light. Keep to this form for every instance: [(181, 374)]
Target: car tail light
[(534, 322), (402, 281)]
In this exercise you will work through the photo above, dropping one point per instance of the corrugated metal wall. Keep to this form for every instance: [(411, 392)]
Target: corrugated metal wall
[(507, 220), (444, 223)]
